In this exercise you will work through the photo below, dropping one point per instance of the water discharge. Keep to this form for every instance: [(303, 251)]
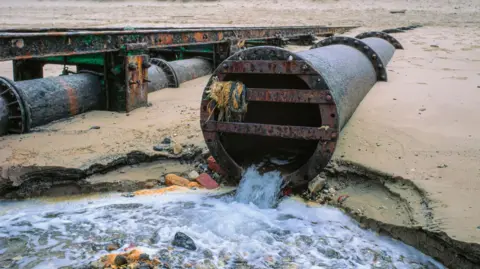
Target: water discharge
[(261, 190), (227, 233)]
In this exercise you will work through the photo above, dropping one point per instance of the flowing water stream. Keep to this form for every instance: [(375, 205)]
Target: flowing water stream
[(239, 231)]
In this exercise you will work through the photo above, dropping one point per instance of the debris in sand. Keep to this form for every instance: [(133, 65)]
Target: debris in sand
[(400, 11), (177, 149), (157, 191), (184, 241), (206, 181), (149, 185), (193, 175), (442, 166), (214, 166), (172, 179), (422, 109), (162, 147), (167, 140), (120, 260), (342, 198), (434, 46), (317, 184), (194, 185), (95, 127), (132, 259)]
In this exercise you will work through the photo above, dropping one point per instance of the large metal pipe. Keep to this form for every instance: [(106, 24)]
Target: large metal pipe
[(30, 103), (297, 102), (163, 74)]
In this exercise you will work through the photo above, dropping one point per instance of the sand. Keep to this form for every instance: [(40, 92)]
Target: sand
[(421, 125)]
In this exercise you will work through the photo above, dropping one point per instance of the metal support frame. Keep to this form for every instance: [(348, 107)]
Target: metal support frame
[(122, 55)]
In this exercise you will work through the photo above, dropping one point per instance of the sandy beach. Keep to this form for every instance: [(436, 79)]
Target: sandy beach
[(421, 126)]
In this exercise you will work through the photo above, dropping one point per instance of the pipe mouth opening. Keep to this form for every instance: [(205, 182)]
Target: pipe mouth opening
[(272, 152), (14, 118)]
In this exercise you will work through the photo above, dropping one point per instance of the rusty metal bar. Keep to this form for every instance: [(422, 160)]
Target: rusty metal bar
[(289, 96), (267, 67), (16, 45), (282, 131)]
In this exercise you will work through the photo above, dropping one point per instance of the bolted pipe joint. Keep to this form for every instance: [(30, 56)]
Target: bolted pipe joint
[(163, 74), (297, 103), (378, 50)]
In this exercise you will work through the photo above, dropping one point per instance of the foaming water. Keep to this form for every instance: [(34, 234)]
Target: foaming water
[(261, 190), (39, 234)]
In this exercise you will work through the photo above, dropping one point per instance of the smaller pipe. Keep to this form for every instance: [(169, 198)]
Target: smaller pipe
[(31, 103), (190, 69), (163, 74)]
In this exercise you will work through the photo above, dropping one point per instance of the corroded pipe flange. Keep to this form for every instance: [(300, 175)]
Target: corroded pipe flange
[(169, 72), (361, 46), (274, 77), (381, 35), (17, 113)]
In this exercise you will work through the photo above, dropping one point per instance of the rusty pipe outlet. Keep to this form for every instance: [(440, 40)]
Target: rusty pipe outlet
[(31, 103), (163, 74), (297, 102)]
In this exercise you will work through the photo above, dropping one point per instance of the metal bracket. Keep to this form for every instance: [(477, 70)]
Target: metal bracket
[(136, 81)]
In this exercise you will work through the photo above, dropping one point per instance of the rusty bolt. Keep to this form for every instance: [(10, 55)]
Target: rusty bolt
[(334, 135), (304, 67), (329, 98), (374, 56), (132, 66)]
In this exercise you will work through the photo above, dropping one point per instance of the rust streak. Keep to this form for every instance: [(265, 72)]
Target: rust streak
[(72, 97)]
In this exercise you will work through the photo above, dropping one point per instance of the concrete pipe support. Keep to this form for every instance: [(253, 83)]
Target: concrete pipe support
[(297, 103), (163, 74), (31, 103)]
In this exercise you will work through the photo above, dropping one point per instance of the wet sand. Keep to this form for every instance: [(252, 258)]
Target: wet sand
[(420, 126)]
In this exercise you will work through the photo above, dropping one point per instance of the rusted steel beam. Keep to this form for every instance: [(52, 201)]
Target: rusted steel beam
[(17, 45), (282, 131), (289, 96), (267, 67)]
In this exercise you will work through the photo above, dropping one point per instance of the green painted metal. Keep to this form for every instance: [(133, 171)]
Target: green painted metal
[(89, 59)]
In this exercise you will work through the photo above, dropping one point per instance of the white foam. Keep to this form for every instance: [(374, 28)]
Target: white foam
[(309, 236)]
